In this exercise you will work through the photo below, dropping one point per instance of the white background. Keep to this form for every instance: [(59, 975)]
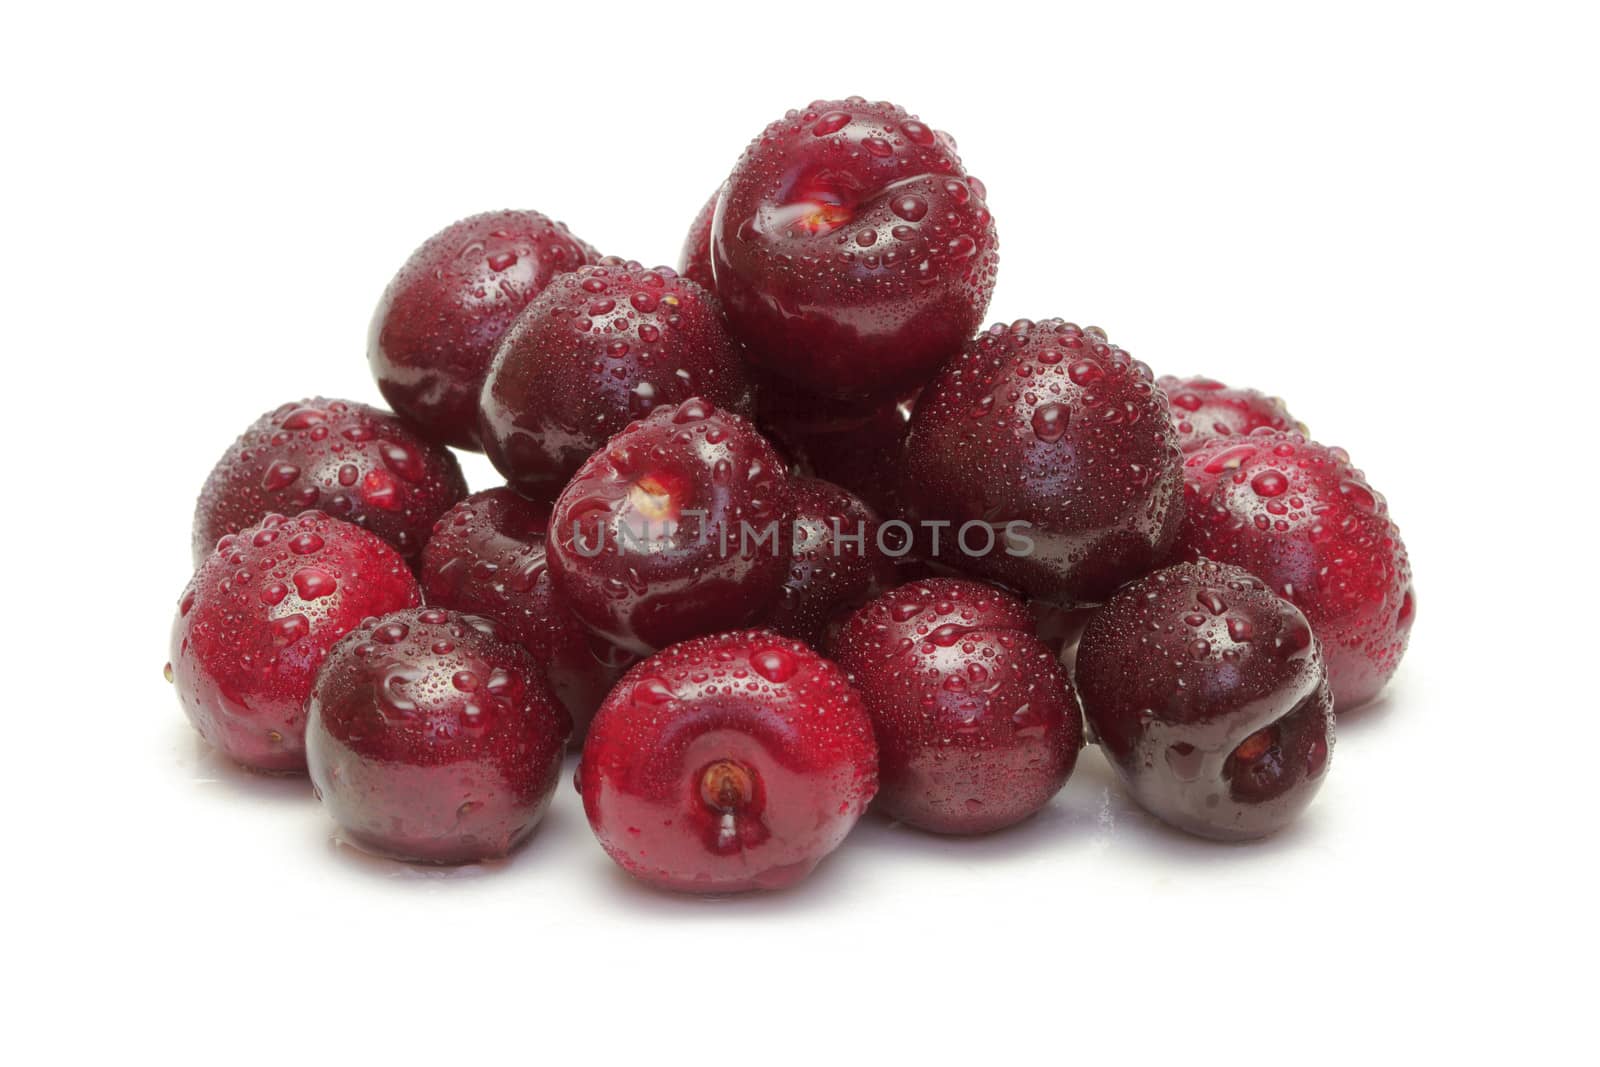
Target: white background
[(1385, 213)]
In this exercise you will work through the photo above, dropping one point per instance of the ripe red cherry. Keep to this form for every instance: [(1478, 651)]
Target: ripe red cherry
[(354, 462), (259, 616), (675, 528), (1053, 428), (599, 348), (431, 738), (725, 763), (1210, 697), (487, 557), (1203, 409), (436, 328), (1298, 516), (835, 563), (851, 250), (976, 722), (694, 262)]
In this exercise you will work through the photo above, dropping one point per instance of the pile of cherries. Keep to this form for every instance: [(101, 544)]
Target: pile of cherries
[(784, 535)]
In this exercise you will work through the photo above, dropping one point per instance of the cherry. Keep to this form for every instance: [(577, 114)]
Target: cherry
[(1203, 408), (730, 762), (354, 462), (854, 444), (851, 250), (600, 347), (835, 565), (1060, 444), (441, 318), (487, 557), (694, 262), (675, 528), (257, 619), (431, 738), (1210, 697), (976, 721), (1298, 516)]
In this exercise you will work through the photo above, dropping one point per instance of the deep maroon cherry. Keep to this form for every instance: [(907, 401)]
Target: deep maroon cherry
[(354, 462), (852, 443), (694, 262), (1203, 408), (441, 318), (835, 563), (601, 347), (1298, 516), (432, 738), (677, 527), (851, 250), (1210, 697), (259, 616), (725, 763), (1061, 444), (487, 557), (976, 721)]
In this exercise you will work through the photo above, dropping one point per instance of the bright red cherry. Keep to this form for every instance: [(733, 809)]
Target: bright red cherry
[(851, 250), (1203, 409), (1298, 516), (431, 738), (259, 616), (725, 763)]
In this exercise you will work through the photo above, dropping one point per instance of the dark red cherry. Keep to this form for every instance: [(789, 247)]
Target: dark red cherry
[(851, 250), (976, 721), (435, 331), (677, 527), (432, 738), (354, 462), (487, 557), (601, 347), (1051, 454), (835, 565), (1210, 697)]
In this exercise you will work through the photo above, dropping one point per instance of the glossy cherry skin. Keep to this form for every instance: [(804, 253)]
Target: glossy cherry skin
[(835, 562), (1052, 428), (487, 557), (976, 721), (1298, 516), (259, 616), (677, 527), (851, 250), (431, 738), (1210, 697), (439, 322), (694, 261), (1204, 409), (601, 347), (352, 461), (730, 762)]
